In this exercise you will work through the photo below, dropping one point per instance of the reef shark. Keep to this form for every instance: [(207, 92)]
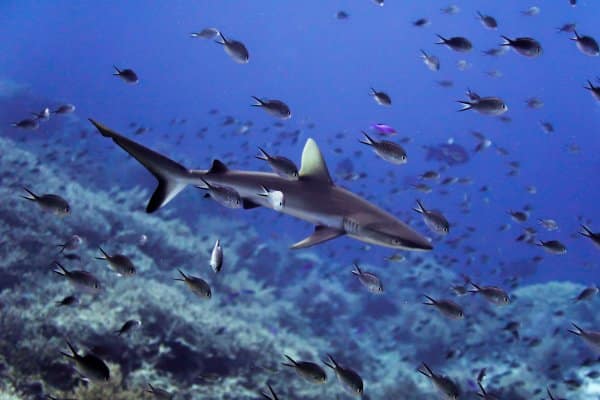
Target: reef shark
[(313, 197)]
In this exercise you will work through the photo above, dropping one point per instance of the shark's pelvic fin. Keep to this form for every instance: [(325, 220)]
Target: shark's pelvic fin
[(320, 235), (171, 176), (313, 165)]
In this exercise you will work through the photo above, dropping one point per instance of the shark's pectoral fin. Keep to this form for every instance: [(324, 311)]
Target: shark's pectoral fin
[(320, 235)]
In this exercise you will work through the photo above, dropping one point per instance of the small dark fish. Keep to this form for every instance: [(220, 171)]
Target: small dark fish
[(350, 380), (381, 98), (485, 105), (128, 326), (553, 247), (82, 280), (127, 75), (224, 195), (71, 244), (567, 28), (283, 166), (447, 308), (206, 33), (493, 294), (64, 109), (159, 394), (310, 371), (421, 22), (586, 44), (29, 123), (525, 46), (587, 294), (342, 15), (445, 385), (276, 108), (457, 43), (197, 285), (90, 366), (68, 301), (234, 49), (49, 202), (488, 21), (119, 263), (388, 151)]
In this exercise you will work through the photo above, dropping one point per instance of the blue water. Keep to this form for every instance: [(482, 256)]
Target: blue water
[(324, 68)]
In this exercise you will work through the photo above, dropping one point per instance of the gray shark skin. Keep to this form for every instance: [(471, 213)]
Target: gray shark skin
[(313, 197)]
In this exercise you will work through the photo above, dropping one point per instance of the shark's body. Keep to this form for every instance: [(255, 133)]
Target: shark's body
[(313, 197)]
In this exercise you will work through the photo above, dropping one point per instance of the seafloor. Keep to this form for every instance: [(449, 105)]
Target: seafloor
[(264, 305)]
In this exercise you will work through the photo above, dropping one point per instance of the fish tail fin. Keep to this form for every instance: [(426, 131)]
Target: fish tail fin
[(483, 393), (425, 370), (183, 276), (587, 232), (71, 349), (476, 286), (263, 155), (367, 140), (431, 301), (467, 105), (172, 177), (442, 39), (292, 361), (118, 71), (577, 330), (62, 271), (33, 195), (356, 271), (419, 208), (259, 102), (104, 255), (224, 41), (507, 41), (331, 362)]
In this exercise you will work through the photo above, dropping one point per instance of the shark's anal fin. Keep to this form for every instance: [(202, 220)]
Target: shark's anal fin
[(249, 204), (313, 165), (321, 234)]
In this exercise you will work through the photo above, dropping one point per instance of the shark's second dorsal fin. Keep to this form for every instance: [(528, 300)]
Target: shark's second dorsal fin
[(217, 167), (313, 165)]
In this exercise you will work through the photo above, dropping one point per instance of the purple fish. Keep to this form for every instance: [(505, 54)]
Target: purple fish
[(384, 129)]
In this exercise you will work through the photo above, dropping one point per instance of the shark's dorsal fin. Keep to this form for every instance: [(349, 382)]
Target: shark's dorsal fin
[(313, 165), (217, 167)]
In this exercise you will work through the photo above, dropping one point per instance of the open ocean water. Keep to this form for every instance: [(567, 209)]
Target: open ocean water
[(299, 200)]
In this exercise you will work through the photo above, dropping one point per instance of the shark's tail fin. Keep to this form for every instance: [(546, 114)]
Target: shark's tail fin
[(172, 177)]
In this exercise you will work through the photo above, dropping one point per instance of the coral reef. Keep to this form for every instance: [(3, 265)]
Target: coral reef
[(267, 302)]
